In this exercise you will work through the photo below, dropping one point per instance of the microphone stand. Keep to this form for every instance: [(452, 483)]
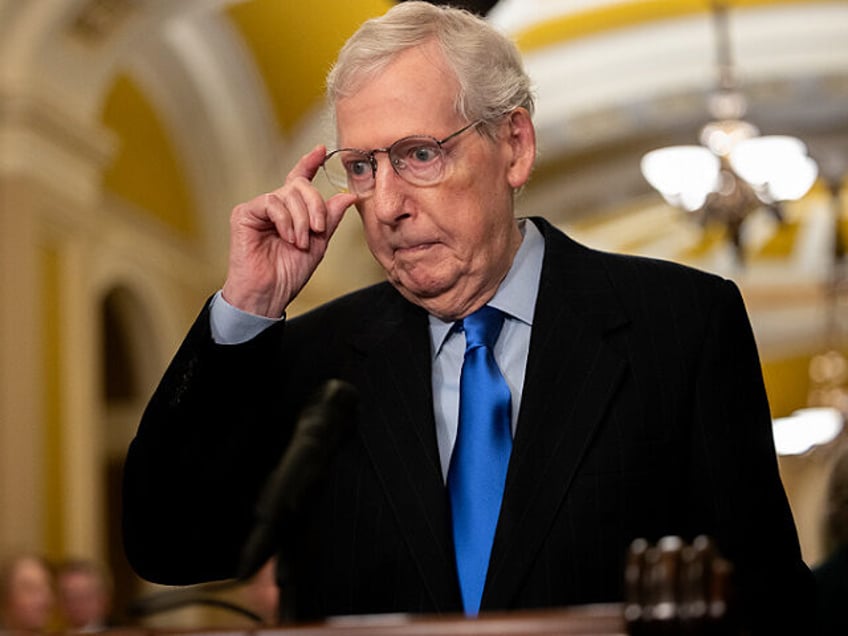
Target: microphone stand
[(325, 422)]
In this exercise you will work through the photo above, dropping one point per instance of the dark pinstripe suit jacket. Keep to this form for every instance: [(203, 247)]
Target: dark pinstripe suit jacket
[(643, 415)]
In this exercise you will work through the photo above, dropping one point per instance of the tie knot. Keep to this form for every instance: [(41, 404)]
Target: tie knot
[(482, 327)]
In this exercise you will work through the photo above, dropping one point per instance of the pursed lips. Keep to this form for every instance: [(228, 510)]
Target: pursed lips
[(411, 247)]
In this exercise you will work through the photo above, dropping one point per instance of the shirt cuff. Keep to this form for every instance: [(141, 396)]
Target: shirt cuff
[(231, 325)]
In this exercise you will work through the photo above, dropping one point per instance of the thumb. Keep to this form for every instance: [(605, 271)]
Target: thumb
[(336, 207)]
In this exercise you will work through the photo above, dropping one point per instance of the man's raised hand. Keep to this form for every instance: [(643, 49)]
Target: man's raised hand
[(278, 239)]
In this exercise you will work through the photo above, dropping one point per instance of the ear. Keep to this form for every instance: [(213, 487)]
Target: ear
[(522, 142)]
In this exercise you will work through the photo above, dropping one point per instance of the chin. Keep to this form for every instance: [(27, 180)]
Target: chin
[(420, 293), (421, 283)]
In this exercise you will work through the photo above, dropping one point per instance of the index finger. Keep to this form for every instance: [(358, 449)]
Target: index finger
[(308, 165)]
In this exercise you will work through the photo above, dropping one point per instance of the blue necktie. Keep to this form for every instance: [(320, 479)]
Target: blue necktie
[(481, 454)]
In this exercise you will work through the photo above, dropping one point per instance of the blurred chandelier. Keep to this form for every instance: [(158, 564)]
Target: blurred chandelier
[(824, 419), (735, 170)]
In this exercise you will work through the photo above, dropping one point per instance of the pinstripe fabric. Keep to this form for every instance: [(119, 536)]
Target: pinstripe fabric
[(643, 414)]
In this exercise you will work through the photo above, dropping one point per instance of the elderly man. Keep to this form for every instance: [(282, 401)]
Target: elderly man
[(601, 397)]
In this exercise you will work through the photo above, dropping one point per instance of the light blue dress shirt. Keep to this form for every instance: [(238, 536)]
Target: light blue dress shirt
[(516, 297)]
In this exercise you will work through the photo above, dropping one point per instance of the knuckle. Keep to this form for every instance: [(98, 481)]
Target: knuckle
[(239, 211), (271, 200)]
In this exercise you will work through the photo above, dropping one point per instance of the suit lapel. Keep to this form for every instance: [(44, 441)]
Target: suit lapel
[(400, 439), (571, 377), (572, 374)]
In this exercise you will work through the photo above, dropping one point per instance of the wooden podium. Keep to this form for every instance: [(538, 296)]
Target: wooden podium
[(589, 620), (672, 588)]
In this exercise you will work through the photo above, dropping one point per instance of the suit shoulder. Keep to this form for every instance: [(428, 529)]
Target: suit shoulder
[(623, 270), (641, 285), (661, 285), (645, 268)]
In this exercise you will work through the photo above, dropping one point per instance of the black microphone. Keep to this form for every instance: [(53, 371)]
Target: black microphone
[(323, 425)]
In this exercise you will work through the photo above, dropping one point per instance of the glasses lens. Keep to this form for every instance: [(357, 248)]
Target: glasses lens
[(419, 160), (349, 170)]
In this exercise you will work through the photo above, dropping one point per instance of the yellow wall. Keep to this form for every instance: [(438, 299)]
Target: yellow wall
[(147, 170), (295, 43)]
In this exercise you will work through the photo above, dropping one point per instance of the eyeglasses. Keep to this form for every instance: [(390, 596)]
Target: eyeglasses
[(419, 160)]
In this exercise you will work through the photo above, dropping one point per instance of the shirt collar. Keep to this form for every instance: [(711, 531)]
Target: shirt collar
[(516, 296)]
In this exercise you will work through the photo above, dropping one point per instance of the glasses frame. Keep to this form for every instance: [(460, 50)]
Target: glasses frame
[(370, 155)]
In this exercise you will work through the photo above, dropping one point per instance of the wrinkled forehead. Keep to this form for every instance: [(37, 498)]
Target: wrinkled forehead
[(415, 94)]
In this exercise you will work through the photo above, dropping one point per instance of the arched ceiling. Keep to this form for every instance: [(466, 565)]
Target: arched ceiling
[(294, 45), (235, 85), (616, 79)]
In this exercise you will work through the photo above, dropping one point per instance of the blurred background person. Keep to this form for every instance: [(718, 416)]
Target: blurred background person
[(832, 574), (84, 595), (26, 594)]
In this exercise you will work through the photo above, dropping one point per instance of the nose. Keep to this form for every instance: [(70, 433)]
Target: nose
[(388, 200)]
